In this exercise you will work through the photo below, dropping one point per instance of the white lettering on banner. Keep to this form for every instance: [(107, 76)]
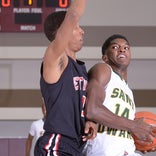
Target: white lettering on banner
[(36, 10), (27, 27), (21, 10)]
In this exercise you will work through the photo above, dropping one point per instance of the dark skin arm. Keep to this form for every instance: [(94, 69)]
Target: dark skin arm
[(28, 145), (99, 76), (55, 58)]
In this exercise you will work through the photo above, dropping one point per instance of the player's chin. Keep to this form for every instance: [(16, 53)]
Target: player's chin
[(79, 48), (81, 43)]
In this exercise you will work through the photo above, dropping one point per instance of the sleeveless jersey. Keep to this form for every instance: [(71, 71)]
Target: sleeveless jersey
[(65, 101), (109, 141)]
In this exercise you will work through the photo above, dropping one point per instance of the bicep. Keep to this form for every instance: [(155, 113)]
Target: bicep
[(98, 79), (95, 91), (99, 76), (95, 98)]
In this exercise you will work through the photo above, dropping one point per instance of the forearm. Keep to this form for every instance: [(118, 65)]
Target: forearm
[(96, 111), (27, 152), (74, 13), (102, 115), (28, 147), (78, 6), (110, 119)]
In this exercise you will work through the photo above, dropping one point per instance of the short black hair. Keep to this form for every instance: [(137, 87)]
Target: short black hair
[(52, 23), (108, 41)]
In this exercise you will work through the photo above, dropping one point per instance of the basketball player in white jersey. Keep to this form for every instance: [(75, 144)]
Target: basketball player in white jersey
[(110, 103)]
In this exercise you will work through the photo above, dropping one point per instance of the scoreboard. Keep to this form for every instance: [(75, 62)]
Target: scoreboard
[(27, 15)]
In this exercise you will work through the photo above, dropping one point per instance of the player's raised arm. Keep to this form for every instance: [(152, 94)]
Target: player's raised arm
[(60, 28), (71, 20)]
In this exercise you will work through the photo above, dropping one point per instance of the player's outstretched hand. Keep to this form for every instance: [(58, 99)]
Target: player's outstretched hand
[(90, 131), (144, 131)]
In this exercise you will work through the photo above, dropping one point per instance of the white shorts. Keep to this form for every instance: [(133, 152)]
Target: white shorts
[(104, 146)]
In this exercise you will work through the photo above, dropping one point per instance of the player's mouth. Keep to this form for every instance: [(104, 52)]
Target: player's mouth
[(121, 56)]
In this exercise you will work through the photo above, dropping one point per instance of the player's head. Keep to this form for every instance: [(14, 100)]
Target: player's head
[(52, 23), (108, 42)]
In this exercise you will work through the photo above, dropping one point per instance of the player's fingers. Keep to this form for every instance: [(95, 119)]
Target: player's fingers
[(90, 131), (87, 126), (153, 131), (143, 141)]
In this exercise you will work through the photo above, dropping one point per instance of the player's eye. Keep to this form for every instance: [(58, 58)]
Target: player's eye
[(115, 47), (127, 48)]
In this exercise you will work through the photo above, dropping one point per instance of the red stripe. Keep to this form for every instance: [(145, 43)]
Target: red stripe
[(49, 144)]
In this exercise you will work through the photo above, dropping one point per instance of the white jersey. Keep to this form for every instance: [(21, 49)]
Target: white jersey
[(112, 142), (36, 130)]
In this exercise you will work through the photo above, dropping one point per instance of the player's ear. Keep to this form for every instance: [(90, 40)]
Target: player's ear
[(104, 58)]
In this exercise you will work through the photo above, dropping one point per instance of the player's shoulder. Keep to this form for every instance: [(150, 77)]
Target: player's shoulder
[(101, 72), (100, 67), (37, 122)]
